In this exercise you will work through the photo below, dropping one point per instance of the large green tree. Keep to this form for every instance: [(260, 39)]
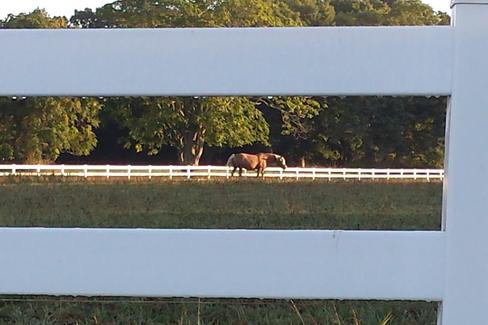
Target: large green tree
[(38, 130), (189, 123)]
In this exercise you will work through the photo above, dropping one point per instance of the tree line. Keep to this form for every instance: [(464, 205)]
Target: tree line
[(333, 131)]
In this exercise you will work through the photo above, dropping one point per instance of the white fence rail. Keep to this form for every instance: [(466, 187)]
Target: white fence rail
[(223, 263), (116, 171)]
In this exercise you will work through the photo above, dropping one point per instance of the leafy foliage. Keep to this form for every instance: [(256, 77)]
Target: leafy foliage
[(386, 12), (313, 12), (39, 18), (189, 123), (374, 131), (35, 130)]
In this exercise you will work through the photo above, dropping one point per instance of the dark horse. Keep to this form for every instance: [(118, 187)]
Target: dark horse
[(257, 162)]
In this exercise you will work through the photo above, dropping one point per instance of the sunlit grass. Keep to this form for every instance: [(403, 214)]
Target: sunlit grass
[(233, 204)]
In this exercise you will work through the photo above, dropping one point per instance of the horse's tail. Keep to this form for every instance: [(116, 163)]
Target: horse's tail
[(230, 160)]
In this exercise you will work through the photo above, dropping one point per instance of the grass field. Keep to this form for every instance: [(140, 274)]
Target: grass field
[(217, 204)]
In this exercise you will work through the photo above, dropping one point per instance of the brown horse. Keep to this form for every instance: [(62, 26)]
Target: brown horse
[(257, 162)]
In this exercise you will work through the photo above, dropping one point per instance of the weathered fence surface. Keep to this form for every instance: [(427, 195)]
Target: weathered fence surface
[(118, 171), (448, 266)]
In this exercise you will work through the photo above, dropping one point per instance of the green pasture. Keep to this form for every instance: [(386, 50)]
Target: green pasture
[(255, 204)]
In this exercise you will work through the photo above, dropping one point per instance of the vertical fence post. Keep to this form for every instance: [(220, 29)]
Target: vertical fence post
[(128, 172), (62, 171), (170, 172), (85, 171), (150, 171), (188, 175), (313, 174), (107, 171), (209, 171), (281, 173), (297, 174), (14, 170), (38, 170), (465, 201), (388, 174)]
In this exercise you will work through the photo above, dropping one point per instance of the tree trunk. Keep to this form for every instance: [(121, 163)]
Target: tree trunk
[(192, 150)]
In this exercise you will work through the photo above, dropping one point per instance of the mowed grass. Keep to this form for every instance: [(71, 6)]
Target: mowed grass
[(253, 204), (222, 204)]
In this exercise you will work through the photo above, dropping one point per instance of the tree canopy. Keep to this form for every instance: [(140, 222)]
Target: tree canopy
[(39, 18), (189, 123), (34, 130)]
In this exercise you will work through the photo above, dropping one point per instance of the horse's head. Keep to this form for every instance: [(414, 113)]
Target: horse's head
[(281, 161)]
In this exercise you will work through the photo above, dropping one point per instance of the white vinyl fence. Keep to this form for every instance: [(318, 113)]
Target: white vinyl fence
[(449, 266), (209, 172)]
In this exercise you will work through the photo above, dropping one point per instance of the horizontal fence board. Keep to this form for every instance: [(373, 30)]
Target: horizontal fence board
[(216, 171), (227, 61), (223, 263)]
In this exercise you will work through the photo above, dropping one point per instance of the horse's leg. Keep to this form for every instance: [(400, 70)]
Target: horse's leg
[(240, 171), (261, 167), (233, 171)]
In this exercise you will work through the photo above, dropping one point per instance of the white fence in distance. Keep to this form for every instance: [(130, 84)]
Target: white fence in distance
[(188, 172)]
